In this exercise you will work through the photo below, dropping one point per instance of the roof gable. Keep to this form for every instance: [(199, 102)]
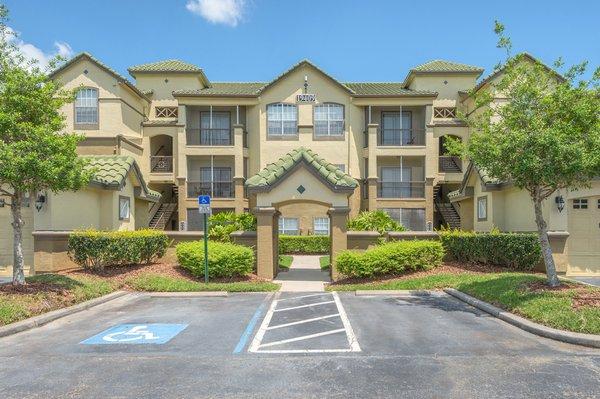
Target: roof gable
[(273, 173), (442, 67)]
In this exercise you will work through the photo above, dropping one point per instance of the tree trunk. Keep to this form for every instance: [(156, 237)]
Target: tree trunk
[(553, 280), (17, 223)]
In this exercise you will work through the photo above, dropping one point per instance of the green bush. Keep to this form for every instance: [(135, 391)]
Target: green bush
[(315, 244), (518, 251), (374, 221), (224, 259), (93, 249), (391, 258), (222, 224)]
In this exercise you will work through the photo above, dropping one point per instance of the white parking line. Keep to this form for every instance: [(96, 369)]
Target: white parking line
[(258, 347), (302, 296)]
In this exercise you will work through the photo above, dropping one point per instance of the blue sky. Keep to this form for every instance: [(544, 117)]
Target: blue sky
[(255, 40)]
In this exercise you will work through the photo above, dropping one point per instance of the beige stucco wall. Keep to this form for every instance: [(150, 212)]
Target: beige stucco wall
[(6, 238)]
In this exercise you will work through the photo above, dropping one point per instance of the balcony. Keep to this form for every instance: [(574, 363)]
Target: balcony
[(214, 189), (161, 164), (399, 190), (209, 137), (401, 137), (449, 164)]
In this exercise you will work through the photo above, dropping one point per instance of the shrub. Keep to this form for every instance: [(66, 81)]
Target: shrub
[(391, 258), (519, 251), (93, 249), (316, 244), (224, 259), (222, 224), (374, 221)]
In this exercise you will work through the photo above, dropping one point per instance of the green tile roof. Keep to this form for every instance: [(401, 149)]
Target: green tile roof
[(446, 66), (165, 66), (272, 173), (385, 89), (110, 171), (225, 89)]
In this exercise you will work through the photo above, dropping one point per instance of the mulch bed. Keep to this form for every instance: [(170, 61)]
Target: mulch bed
[(583, 295), (446, 268), (33, 288)]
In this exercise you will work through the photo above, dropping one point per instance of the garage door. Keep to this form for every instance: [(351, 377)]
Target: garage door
[(584, 241)]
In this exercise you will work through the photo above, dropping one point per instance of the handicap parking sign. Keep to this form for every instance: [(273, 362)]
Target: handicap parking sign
[(153, 333)]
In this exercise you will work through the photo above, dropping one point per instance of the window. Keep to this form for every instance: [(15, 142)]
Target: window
[(599, 204), (444, 112), (215, 128), (580, 203), (124, 208), (321, 226), (282, 119), (329, 120), (397, 129), (482, 209), (166, 112), (216, 182), (411, 218), (288, 226), (86, 107)]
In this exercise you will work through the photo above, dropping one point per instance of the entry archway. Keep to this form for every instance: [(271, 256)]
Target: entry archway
[(300, 176)]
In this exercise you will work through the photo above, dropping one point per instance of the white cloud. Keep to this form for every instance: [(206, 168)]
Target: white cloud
[(228, 12), (31, 52)]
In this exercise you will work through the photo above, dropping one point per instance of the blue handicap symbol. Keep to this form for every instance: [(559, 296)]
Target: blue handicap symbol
[(204, 199), (153, 333)]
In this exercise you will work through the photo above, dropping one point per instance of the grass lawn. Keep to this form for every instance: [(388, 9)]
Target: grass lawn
[(161, 283), (285, 261), (49, 292), (574, 307), (325, 262)]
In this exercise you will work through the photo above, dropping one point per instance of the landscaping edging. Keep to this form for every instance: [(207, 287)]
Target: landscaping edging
[(590, 340), (38, 321)]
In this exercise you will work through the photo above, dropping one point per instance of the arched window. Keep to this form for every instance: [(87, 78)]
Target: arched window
[(282, 119), (329, 120), (86, 107)]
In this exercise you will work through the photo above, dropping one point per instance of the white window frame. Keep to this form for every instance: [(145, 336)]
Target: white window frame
[(86, 99), (285, 230), (122, 201), (482, 212), (330, 120), (277, 110), (321, 226)]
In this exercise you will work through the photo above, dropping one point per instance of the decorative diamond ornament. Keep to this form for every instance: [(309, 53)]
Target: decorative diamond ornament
[(301, 189)]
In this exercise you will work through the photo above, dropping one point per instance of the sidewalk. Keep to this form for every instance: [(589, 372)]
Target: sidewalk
[(305, 275)]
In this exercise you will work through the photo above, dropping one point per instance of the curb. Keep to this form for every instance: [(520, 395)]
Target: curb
[(590, 340), (188, 294), (396, 293), (38, 321)]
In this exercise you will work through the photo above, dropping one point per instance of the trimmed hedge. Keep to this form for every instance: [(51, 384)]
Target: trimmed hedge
[(94, 249), (224, 259), (391, 258), (518, 251), (222, 224), (315, 244), (374, 221)]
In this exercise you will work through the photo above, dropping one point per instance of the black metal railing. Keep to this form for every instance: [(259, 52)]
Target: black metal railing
[(209, 137), (450, 164), (161, 164), (401, 137), (401, 189), (214, 189)]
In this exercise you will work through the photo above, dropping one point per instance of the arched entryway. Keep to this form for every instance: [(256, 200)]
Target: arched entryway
[(299, 178)]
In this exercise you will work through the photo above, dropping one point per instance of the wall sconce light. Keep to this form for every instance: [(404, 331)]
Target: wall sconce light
[(40, 201), (560, 202), (2, 202)]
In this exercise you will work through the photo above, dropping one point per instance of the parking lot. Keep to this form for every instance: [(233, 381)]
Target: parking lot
[(298, 345)]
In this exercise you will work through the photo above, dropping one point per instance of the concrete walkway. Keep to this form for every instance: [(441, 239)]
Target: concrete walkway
[(590, 280), (304, 275)]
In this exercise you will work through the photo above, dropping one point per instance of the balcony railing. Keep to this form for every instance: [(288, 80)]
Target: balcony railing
[(401, 189), (450, 164), (161, 164), (209, 137), (214, 189), (401, 137)]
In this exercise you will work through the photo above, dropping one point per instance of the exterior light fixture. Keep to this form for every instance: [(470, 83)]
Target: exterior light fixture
[(2, 202), (560, 202), (305, 84), (40, 201)]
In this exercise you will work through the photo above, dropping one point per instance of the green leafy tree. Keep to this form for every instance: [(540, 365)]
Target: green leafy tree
[(35, 154), (538, 130)]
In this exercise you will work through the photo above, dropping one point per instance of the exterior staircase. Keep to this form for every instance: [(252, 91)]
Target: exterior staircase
[(447, 211), (450, 164), (162, 215)]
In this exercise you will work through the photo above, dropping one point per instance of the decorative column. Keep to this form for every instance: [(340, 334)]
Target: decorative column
[(266, 242), (338, 217), (372, 172), (238, 176)]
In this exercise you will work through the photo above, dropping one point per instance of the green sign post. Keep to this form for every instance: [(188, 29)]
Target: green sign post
[(204, 209)]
